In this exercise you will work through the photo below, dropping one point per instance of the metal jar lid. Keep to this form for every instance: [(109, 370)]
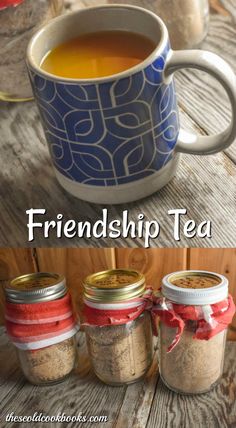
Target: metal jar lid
[(36, 287), (195, 287), (114, 285)]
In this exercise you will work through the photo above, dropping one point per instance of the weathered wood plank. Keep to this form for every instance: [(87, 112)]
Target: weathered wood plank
[(75, 264), (70, 397), (147, 403), (153, 263), (137, 402), (216, 409), (82, 392), (14, 262), (200, 186), (230, 6), (218, 7), (201, 96), (11, 379), (217, 260)]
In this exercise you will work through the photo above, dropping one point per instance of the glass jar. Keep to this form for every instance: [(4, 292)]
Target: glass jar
[(41, 325), (118, 326), (19, 19), (191, 336), (187, 20), (193, 366), (49, 365)]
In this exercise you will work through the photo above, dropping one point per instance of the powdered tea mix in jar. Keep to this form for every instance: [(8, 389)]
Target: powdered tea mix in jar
[(118, 325), (41, 325), (195, 310)]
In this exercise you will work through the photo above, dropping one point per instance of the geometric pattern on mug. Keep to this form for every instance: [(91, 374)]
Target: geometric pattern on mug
[(110, 133)]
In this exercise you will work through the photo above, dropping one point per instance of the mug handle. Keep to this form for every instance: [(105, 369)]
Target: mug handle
[(213, 64)]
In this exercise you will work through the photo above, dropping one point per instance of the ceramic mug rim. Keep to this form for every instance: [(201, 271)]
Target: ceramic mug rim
[(31, 62)]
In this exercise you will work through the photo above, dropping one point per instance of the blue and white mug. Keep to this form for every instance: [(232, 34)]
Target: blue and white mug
[(117, 139)]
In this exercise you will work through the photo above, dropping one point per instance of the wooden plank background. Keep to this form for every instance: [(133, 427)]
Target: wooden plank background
[(204, 185), (76, 263), (145, 404)]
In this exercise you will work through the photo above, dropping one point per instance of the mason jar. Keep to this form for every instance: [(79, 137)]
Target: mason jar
[(187, 20), (118, 325), (194, 311), (19, 19), (41, 325)]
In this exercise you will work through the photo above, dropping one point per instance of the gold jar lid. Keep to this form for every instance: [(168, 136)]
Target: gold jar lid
[(194, 279), (36, 287), (195, 287), (114, 285)]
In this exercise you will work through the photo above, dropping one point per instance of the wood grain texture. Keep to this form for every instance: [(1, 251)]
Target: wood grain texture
[(82, 392), (14, 262), (216, 409), (230, 6), (138, 399), (145, 404), (154, 263), (203, 185), (75, 264), (217, 6), (221, 261)]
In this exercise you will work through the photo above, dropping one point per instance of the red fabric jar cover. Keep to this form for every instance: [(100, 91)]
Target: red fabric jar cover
[(210, 319), (118, 313), (7, 3), (38, 325)]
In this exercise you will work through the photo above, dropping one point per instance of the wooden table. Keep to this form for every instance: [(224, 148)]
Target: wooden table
[(144, 404), (204, 185)]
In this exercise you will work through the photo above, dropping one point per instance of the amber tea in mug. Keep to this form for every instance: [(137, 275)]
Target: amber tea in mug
[(103, 81), (97, 54)]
